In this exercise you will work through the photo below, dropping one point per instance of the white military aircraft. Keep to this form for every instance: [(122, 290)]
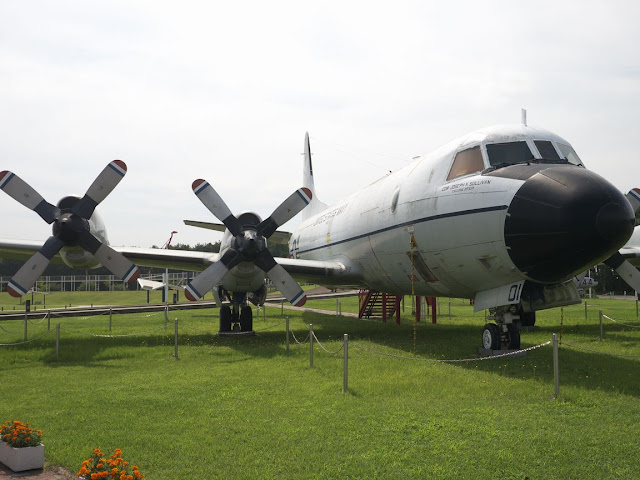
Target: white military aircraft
[(506, 215)]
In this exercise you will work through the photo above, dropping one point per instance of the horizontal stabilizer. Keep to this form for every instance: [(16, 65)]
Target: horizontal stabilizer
[(278, 236)]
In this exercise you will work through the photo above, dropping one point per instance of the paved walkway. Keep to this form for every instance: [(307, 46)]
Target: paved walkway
[(50, 473)]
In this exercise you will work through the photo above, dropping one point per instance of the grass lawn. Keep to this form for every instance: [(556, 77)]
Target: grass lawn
[(247, 408)]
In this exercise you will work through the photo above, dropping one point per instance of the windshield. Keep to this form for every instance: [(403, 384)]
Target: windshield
[(501, 154), (569, 154)]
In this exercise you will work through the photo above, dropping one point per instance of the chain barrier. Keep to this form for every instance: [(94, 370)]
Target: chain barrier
[(620, 323), (296, 340), (323, 348), (591, 350), (26, 341), (435, 360)]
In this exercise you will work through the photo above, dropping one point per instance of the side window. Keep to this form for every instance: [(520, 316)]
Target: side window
[(547, 152), (466, 161), (570, 154)]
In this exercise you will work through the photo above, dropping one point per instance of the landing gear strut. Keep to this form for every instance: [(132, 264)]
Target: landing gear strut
[(237, 318), (504, 334)]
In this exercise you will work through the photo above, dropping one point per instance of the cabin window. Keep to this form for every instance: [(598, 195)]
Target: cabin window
[(570, 154), (502, 154), (547, 150), (466, 162)]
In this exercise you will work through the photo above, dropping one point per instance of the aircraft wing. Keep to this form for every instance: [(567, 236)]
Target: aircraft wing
[(313, 271)]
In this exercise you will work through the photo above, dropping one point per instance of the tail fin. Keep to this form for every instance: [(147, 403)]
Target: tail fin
[(307, 181)]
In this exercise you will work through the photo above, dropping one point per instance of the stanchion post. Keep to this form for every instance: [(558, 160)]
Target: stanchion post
[(287, 323), (555, 366), (175, 323), (166, 315), (282, 307), (311, 345), (57, 341), (600, 325), (337, 301), (345, 382), (48, 320), (585, 310), (25, 327)]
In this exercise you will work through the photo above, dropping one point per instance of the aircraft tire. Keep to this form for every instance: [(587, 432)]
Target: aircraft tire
[(246, 319), (491, 337), (225, 318), (514, 336)]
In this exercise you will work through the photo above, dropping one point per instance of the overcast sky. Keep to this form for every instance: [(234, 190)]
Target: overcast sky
[(226, 90)]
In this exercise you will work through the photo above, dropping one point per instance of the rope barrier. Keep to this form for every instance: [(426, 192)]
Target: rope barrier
[(115, 336), (267, 328), (591, 350), (435, 360), (620, 323), (32, 322), (323, 348), (296, 340), (27, 341)]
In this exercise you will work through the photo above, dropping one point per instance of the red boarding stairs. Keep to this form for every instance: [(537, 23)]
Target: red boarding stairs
[(386, 305), (377, 304)]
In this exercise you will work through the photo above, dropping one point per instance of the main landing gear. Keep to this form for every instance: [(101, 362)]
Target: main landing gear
[(237, 318), (504, 334)]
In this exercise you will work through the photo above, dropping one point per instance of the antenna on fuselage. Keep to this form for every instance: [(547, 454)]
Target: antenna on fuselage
[(523, 116)]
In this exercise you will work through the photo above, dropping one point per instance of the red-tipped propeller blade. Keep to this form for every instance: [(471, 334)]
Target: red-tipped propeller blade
[(285, 211), (29, 273), (22, 192), (212, 276), (102, 186), (214, 203)]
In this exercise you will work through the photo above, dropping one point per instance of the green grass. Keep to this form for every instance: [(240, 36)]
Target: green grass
[(245, 408)]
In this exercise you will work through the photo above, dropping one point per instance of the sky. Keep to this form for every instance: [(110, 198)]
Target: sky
[(225, 91)]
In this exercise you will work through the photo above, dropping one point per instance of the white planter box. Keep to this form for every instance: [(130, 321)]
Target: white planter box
[(19, 459)]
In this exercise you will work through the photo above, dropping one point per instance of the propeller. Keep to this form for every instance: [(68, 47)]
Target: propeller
[(249, 243), (70, 227), (627, 272)]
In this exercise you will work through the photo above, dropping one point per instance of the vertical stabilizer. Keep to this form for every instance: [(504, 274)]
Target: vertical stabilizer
[(307, 181)]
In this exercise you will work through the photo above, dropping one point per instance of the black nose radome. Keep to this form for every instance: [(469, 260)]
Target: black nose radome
[(563, 220)]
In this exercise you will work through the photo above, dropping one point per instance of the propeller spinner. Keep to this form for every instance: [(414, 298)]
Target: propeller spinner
[(70, 227), (249, 244)]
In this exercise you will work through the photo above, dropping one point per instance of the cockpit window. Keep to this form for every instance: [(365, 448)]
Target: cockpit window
[(570, 154), (466, 161), (547, 152), (501, 154)]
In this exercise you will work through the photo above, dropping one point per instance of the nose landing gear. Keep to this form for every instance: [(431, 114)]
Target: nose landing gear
[(236, 319), (504, 334)]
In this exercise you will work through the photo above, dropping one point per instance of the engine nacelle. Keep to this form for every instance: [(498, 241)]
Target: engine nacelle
[(76, 256)]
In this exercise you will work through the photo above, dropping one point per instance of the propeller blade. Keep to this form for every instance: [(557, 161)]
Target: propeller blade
[(214, 203), (282, 280), (102, 186), (117, 263), (634, 199), (627, 272), (29, 273), (20, 191), (212, 276), (285, 211)]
